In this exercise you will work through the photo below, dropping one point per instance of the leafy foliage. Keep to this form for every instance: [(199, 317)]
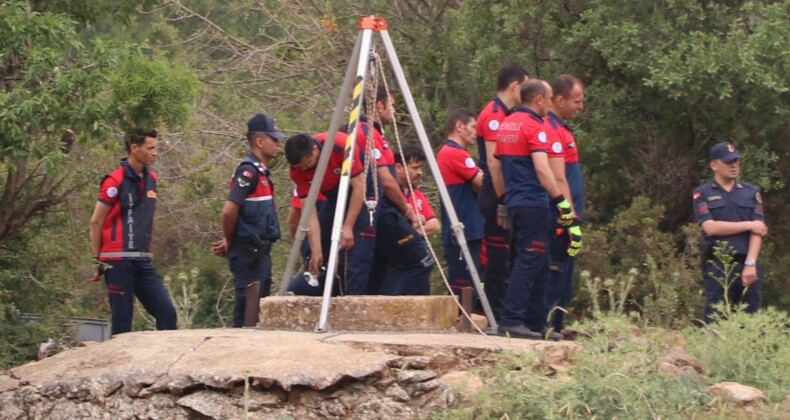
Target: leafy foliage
[(664, 81)]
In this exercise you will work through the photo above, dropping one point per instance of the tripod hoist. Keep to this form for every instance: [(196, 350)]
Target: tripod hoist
[(360, 66)]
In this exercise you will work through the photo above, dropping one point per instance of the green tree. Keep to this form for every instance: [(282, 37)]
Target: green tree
[(67, 94)]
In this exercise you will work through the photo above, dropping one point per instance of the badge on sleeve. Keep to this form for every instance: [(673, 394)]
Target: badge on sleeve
[(542, 137), (247, 174), (243, 182), (556, 147), (493, 125), (112, 192), (702, 209), (759, 198), (697, 195), (376, 154), (469, 162)]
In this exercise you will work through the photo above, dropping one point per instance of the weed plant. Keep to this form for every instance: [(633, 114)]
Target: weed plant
[(616, 373), (751, 349)]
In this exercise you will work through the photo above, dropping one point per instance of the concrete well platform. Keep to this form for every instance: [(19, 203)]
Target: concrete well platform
[(360, 313)]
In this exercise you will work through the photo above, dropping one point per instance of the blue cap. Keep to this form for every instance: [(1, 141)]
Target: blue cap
[(264, 124), (725, 152)]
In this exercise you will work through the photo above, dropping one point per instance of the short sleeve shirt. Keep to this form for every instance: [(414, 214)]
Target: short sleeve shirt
[(303, 178), (420, 204), (520, 135), (458, 169), (742, 203)]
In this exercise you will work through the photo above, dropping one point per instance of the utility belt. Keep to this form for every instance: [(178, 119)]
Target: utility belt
[(253, 247)]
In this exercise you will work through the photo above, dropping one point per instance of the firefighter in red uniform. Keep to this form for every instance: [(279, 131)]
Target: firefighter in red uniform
[(497, 239), (463, 179), (565, 242), (249, 217), (410, 164), (399, 247), (121, 229), (302, 152), (523, 148)]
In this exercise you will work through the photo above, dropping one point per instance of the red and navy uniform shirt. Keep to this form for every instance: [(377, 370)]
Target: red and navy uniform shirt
[(252, 189), (382, 155), (331, 182), (573, 171), (520, 135), (488, 123), (296, 202), (742, 203), (128, 228), (458, 169), (420, 204)]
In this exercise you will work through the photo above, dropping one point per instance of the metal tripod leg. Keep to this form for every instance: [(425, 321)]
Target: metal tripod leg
[(345, 176), (455, 225), (323, 161)]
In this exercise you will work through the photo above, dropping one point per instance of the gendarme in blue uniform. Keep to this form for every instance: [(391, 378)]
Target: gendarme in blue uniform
[(257, 227), (741, 203)]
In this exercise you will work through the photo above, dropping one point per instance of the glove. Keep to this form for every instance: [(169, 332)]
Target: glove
[(566, 211), (574, 240), (101, 268), (502, 218)]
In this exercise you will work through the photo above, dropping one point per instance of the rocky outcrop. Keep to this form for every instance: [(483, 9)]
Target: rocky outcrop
[(237, 373)]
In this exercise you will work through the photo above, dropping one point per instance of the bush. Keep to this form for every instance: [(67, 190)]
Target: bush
[(631, 265), (751, 349), (616, 373)]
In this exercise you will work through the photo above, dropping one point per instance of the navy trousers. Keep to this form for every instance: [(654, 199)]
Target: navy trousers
[(247, 270), (457, 269), (560, 288), (497, 240), (129, 278), (354, 264), (737, 293), (525, 298), (402, 262)]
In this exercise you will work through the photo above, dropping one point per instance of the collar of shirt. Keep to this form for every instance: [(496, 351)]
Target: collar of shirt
[(529, 111), (376, 124), (258, 164), (452, 143), (501, 103), (130, 172), (715, 185), (557, 119)]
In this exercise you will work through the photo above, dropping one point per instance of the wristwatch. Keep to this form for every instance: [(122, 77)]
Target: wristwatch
[(750, 263)]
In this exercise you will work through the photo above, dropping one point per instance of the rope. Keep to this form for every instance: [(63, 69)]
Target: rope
[(421, 223), (370, 104)]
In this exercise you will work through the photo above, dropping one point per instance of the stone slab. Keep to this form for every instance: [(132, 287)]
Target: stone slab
[(360, 313)]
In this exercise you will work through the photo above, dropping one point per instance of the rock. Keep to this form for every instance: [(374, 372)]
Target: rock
[(8, 383), (737, 393), (202, 373), (413, 376), (669, 369), (464, 384), (678, 357), (397, 393), (211, 404), (411, 362)]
